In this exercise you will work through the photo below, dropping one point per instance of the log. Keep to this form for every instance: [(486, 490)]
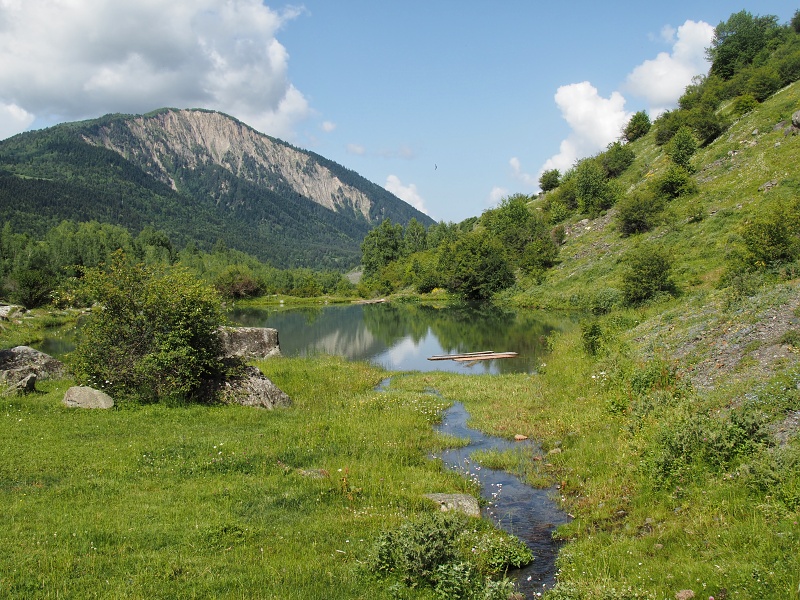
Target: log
[(454, 356), (491, 356)]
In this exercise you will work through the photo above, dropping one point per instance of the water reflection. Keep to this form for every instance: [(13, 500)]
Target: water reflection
[(401, 337)]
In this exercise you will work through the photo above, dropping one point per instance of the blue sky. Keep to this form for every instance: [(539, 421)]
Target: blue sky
[(451, 105)]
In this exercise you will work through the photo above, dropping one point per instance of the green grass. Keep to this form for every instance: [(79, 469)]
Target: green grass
[(214, 501)]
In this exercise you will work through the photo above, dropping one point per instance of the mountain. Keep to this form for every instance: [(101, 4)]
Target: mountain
[(202, 177)]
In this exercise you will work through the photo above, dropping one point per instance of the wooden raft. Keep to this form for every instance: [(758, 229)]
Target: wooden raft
[(471, 356)]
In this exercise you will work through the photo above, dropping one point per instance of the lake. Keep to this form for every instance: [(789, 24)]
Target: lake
[(401, 336)]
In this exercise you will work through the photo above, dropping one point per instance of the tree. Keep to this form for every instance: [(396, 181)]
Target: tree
[(637, 127), (738, 41), (593, 190), (638, 212), (382, 245), (476, 266), (415, 238), (549, 180), (153, 337)]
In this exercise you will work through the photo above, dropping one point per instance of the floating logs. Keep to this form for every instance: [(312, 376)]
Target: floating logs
[(471, 356)]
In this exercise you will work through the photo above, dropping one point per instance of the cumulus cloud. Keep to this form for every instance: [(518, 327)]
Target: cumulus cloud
[(596, 121), (356, 149), (496, 195), (662, 80), (13, 119), (407, 193), (83, 58), (516, 170)]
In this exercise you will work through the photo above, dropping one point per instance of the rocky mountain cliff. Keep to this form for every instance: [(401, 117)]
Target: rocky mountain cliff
[(201, 176)]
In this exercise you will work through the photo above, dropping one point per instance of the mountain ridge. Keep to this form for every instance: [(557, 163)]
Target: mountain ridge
[(200, 175)]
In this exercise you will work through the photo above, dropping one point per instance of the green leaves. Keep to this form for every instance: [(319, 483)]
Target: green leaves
[(153, 337)]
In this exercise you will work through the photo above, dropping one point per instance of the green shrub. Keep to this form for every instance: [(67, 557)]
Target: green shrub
[(238, 281), (668, 124), (30, 287), (639, 212), (682, 147), (675, 182), (591, 337), (772, 237), (549, 180), (647, 273), (594, 192), (744, 104), (617, 158), (153, 336), (764, 82), (637, 127)]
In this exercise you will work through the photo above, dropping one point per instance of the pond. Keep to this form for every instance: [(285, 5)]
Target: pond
[(401, 336)]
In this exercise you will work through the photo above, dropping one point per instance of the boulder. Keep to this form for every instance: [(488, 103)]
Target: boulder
[(459, 502), (19, 363), (85, 397), (253, 388), (23, 386), (249, 342), (7, 310), (796, 119)]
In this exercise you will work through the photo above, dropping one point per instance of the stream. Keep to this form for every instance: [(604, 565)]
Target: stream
[(513, 506)]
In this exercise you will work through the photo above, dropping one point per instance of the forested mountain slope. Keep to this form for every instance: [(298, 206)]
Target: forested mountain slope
[(200, 176)]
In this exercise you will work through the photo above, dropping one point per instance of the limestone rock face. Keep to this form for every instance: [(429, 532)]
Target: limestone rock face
[(22, 366), (249, 342), (86, 397), (198, 138), (254, 389)]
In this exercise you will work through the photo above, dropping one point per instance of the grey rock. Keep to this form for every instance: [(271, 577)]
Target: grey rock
[(254, 389), (17, 364), (249, 342), (459, 502), (23, 386), (7, 310), (796, 119), (86, 397)]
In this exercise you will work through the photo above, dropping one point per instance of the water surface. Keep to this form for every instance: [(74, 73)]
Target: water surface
[(401, 337)]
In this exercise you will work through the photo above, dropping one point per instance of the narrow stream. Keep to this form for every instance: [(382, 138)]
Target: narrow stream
[(512, 505)]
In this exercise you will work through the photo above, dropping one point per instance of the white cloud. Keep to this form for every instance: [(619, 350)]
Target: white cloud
[(356, 149), (83, 58), (595, 122), (407, 193), (328, 126), (516, 169), (662, 80), (13, 119), (496, 195)]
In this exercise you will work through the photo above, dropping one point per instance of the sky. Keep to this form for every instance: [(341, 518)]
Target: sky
[(452, 105)]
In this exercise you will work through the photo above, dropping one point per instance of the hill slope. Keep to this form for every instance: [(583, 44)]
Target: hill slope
[(199, 175)]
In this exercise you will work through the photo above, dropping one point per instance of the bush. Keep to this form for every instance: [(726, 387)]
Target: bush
[(594, 191), (616, 159), (30, 287), (154, 335), (677, 181), (772, 237), (476, 266), (637, 127), (549, 180), (238, 281), (648, 273), (667, 125), (764, 82), (682, 147), (638, 212), (744, 104)]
